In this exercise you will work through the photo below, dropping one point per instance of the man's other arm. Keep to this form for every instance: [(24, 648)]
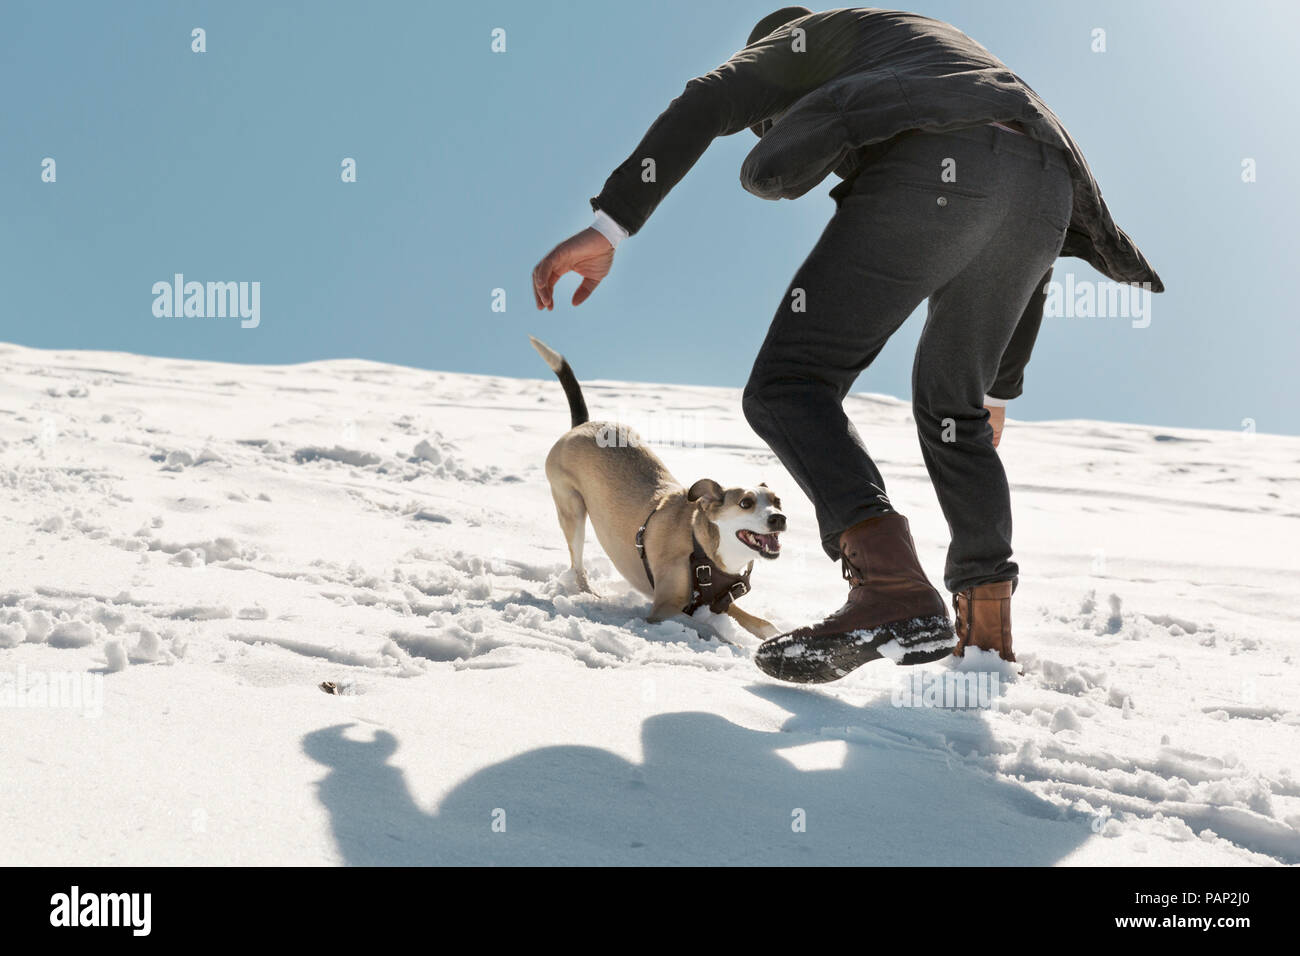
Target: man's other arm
[(1011, 370)]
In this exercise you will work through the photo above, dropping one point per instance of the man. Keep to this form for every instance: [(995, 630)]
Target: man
[(959, 186)]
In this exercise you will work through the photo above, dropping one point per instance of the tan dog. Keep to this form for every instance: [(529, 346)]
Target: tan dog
[(684, 548)]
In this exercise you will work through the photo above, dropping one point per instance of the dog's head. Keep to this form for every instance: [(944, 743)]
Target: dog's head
[(748, 522)]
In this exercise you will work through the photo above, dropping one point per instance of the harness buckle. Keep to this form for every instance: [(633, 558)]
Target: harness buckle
[(703, 575), (738, 590)]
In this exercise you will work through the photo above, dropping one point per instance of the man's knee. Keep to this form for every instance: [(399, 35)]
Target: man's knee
[(945, 414), (773, 397), (773, 401), (755, 408)]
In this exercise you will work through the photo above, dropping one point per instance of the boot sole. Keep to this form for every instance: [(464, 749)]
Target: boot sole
[(826, 658)]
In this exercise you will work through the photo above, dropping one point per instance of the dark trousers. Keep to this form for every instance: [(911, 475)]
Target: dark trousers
[(975, 247)]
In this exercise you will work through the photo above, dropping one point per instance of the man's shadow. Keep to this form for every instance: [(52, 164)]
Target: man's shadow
[(708, 792)]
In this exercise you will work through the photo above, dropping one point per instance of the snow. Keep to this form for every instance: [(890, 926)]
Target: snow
[(205, 545)]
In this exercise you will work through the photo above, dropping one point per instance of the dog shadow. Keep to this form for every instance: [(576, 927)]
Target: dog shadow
[(708, 792)]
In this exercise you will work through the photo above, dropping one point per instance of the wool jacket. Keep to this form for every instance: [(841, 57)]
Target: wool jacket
[(824, 89)]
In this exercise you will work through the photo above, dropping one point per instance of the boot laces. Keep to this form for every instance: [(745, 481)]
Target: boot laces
[(850, 573)]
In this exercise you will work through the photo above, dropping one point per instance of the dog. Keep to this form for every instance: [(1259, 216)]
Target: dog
[(683, 548)]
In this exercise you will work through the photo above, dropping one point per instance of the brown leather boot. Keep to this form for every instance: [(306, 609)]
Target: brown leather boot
[(984, 619), (893, 611)]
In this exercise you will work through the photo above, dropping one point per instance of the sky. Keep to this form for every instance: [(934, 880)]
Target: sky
[(471, 164)]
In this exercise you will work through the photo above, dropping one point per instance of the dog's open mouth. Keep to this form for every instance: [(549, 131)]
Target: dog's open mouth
[(765, 544)]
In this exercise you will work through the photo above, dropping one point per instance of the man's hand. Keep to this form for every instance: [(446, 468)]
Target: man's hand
[(588, 253), (997, 418)]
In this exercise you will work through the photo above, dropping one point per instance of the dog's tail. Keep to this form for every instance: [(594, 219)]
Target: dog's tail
[(572, 390)]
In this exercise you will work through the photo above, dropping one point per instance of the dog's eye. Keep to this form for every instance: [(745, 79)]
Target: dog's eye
[(776, 503), (746, 503)]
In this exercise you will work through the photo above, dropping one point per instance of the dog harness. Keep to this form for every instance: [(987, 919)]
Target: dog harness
[(710, 585)]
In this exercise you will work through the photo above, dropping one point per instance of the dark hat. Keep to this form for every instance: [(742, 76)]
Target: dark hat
[(768, 24), (773, 20)]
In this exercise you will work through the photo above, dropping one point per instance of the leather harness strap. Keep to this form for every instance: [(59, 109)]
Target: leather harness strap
[(713, 586), (710, 584), (640, 546)]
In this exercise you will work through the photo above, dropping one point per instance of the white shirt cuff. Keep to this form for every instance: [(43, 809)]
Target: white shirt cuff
[(991, 402), (607, 227)]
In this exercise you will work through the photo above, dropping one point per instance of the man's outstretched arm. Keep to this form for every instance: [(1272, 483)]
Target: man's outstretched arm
[(762, 80)]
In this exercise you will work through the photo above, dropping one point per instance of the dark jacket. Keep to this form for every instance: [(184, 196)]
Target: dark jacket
[(862, 76)]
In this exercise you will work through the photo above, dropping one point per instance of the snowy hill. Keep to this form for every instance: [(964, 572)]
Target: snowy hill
[(206, 544)]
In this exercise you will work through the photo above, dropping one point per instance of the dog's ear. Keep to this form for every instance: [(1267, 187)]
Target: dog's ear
[(705, 488)]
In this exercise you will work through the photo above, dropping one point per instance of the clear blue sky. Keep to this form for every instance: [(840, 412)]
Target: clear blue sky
[(471, 165)]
